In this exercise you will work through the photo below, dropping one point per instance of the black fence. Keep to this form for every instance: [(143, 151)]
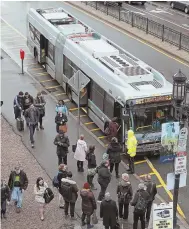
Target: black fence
[(150, 27)]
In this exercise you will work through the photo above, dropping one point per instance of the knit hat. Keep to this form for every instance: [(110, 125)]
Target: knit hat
[(86, 186), (125, 177)]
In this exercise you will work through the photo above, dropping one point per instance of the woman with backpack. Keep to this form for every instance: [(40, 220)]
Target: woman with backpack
[(125, 194), (39, 191)]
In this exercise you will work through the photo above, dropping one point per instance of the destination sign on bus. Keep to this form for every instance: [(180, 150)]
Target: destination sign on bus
[(153, 99)]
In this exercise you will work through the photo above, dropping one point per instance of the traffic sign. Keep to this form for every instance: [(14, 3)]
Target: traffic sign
[(180, 165), (163, 216), (182, 142)]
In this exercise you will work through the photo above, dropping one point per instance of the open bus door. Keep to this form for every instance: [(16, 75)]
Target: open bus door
[(43, 49)]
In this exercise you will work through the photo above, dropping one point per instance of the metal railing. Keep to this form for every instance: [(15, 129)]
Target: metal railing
[(149, 26)]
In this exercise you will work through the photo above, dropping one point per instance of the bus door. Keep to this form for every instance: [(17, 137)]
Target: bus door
[(43, 49), (117, 113)]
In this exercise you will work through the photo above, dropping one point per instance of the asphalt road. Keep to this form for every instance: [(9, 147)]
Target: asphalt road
[(167, 16), (154, 58)]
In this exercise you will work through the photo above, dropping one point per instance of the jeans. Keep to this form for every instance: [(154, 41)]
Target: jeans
[(138, 216), (80, 165), (116, 167), (88, 218), (17, 112), (60, 200), (148, 211), (102, 192), (3, 207), (72, 208), (40, 119), (125, 208), (17, 195), (90, 180), (32, 131), (62, 160), (131, 164)]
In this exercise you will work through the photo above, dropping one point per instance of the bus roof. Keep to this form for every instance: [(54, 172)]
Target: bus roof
[(123, 68)]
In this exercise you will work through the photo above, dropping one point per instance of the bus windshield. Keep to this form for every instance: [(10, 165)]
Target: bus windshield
[(150, 119)]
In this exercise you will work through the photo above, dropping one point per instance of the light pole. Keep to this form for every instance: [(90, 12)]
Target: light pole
[(181, 104)]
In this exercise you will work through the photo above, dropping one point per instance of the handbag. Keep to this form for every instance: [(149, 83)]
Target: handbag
[(91, 172), (94, 218), (74, 148), (48, 195)]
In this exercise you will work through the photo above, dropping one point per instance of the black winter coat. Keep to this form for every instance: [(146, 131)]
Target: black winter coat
[(23, 180), (40, 104), (124, 192), (62, 142), (151, 189), (91, 158), (61, 174), (61, 120), (144, 194), (27, 101), (74, 189), (88, 201), (114, 150), (5, 193), (33, 115), (109, 213), (104, 175)]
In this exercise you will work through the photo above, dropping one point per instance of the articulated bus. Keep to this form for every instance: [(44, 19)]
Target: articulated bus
[(119, 84)]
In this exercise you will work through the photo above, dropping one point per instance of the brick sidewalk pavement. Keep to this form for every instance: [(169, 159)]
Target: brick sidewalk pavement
[(12, 152)]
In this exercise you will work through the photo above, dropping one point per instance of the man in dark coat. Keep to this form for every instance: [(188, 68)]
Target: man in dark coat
[(60, 119), (88, 204), (18, 182), (140, 202), (114, 150), (32, 115), (91, 158), (28, 100), (5, 196), (62, 142), (109, 212), (62, 173), (18, 104), (152, 190), (104, 177), (125, 194), (69, 192), (40, 104)]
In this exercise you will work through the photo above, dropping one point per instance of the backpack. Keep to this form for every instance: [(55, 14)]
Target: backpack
[(141, 204), (124, 195), (48, 195), (66, 191), (55, 181)]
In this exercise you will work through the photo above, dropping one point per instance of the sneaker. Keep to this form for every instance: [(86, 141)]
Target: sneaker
[(90, 226), (15, 203), (18, 210), (117, 176), (73, 218), (41, 127), (42, 218), (32, 145), (61, 206), (99, 201)]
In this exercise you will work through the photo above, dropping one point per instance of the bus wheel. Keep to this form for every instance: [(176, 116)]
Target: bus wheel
[(69, 93)]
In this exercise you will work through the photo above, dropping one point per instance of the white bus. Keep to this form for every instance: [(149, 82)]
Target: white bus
[(120, 85)]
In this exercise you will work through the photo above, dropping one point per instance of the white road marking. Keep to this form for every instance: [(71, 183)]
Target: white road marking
[(158, 11), (185, 25), (163, 19)]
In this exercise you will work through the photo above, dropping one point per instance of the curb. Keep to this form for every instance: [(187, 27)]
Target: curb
[(129, 32)]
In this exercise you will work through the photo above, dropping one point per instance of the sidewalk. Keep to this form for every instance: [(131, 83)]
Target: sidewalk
[(139, 34), (44, 152)]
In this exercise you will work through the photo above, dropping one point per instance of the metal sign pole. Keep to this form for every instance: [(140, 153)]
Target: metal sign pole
[(78, 132)]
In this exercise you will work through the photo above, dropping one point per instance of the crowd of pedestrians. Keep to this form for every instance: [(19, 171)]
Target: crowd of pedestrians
[(34, 110)]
